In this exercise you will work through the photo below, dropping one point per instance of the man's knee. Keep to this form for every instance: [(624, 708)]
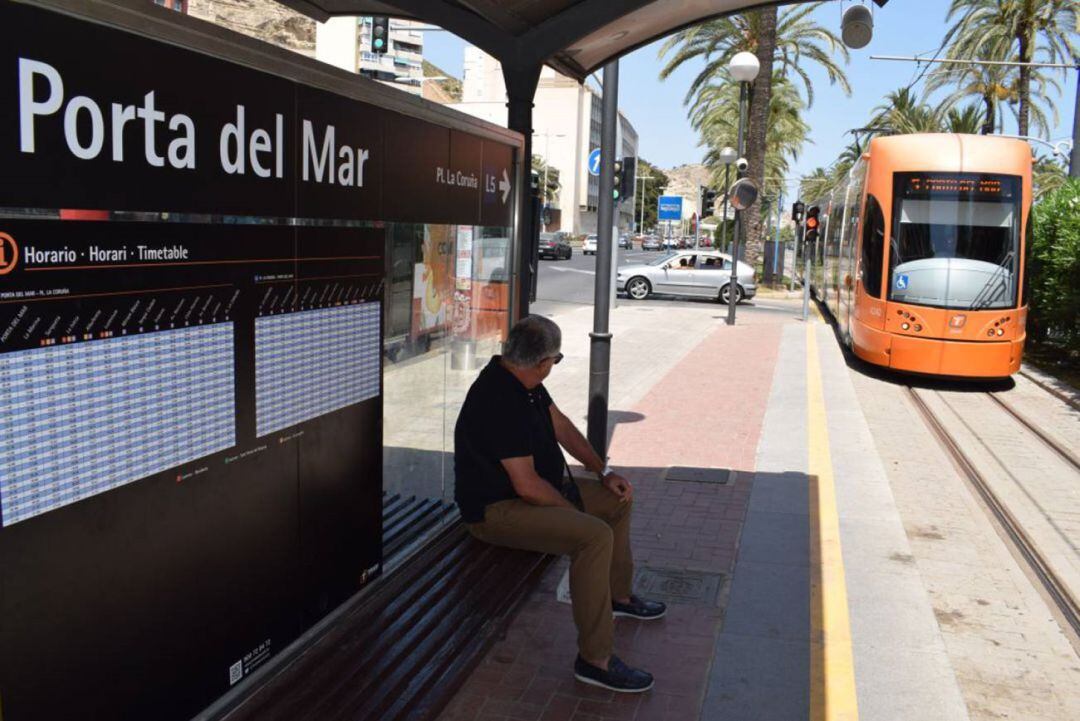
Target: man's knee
[(594, 533)]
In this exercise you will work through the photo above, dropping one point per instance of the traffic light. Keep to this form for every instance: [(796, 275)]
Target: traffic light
[(797, 210), (813, 224), (625, 185), (617, 185), (380, 34), (708, 202)]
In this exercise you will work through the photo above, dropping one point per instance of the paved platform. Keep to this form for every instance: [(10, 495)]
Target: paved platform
[(797, 590)]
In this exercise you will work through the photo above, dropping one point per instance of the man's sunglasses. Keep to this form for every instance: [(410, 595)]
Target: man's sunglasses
[(555, 359)]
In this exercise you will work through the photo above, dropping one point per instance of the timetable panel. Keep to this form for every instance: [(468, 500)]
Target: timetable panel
[(310, 363), (85, 418)]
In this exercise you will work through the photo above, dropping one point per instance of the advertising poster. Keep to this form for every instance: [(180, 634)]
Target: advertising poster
[(433, 282)]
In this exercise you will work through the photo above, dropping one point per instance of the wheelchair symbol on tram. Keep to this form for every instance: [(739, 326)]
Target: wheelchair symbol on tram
[(901, 282)]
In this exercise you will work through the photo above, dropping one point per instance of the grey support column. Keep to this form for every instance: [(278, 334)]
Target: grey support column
[(600, 347)]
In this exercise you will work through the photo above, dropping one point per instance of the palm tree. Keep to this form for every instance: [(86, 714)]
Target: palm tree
[(989, 84), (1016, 30), (903, 113), (969, 120), (816, 186), (787, 39), (1047, 175), (715, 115)]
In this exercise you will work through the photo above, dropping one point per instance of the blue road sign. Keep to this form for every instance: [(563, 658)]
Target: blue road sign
[(594, 162), (670, 207)]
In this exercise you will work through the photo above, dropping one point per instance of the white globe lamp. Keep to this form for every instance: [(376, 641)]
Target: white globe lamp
[(744, 67), (728, 156)]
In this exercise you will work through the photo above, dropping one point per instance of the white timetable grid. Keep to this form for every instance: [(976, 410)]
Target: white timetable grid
[(81, 419), (312, 362)]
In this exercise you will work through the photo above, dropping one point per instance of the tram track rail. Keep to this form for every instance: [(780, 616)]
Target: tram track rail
[(1011, 529), (1029, 425)]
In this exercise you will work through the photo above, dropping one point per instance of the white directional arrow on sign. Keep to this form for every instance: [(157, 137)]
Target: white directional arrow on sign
[(504, 186)]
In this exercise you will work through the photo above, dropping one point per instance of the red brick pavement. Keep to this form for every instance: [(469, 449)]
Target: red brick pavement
[(527, 675)]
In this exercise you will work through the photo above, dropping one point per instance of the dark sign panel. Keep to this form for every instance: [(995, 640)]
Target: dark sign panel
[(121, 122), (191, 412)]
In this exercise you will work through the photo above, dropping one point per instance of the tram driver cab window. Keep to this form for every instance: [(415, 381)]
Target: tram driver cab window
[(873, 243)]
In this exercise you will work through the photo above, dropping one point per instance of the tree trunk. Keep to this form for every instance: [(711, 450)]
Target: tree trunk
[(988, 119), (1025, 79), (756, 146)]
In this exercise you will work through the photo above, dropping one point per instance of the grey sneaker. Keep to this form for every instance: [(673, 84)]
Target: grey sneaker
[(639, 608)]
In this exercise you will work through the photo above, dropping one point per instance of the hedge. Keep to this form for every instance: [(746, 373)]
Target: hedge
[(1054, 269)]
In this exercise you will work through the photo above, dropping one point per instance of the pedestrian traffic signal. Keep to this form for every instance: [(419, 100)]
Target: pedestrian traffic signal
[(625, 185), (813, 224), (708, 202), (380, 34), (798, 208)]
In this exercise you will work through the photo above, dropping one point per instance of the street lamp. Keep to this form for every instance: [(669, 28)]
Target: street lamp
[(727, 156), (547, 161), (744, 69)]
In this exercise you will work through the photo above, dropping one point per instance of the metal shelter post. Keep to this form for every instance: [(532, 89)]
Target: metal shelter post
[(1074, 157), (600, 337), (520, 89)]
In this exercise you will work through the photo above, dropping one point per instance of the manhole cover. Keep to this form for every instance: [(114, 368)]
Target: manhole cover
[(691, 474), (692, 588)]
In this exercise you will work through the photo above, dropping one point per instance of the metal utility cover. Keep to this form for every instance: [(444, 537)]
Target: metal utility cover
[(692, 474), (671, 585)]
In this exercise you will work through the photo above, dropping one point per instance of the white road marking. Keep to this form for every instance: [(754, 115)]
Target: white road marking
[(573, 270)]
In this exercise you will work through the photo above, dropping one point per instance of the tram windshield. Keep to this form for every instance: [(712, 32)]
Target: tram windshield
[(955, 240)]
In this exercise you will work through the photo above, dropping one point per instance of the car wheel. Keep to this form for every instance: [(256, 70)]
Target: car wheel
[(725, 297), (569, 253), (638, 288)]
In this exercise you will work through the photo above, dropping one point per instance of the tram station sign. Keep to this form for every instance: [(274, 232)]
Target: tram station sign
[(191, 391), (155, 135)]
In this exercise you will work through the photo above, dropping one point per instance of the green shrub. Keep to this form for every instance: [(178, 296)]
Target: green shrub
[(1054, 269)]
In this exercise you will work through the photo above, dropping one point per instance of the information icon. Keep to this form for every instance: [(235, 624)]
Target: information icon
[(9, 253)]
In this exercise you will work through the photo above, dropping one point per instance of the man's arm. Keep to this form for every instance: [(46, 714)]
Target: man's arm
[(530, 486), (570, 438)]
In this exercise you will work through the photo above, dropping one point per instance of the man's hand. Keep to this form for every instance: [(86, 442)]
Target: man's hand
[(618, 485)]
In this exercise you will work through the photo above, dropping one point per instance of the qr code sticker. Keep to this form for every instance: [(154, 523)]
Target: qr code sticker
[(236, 672)]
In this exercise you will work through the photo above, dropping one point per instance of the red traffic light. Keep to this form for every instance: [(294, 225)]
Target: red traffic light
[(811, 223)]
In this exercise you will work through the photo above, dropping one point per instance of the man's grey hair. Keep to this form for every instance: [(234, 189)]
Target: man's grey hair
[(531, 340)]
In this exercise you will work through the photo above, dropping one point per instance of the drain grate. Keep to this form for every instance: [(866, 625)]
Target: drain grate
[(691, 474), (670, 585)]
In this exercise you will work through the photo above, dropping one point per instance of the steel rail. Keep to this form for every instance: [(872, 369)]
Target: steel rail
[(1012, 530), (1051, 443)]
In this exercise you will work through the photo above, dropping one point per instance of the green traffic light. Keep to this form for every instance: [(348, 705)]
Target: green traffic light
[(378, 43)]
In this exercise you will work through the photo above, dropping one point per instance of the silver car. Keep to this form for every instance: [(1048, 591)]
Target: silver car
[(698, 273)]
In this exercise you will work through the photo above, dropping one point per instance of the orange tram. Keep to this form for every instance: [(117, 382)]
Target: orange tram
[(922, 254)]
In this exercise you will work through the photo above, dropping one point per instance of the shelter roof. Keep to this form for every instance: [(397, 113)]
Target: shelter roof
[(576, 37)]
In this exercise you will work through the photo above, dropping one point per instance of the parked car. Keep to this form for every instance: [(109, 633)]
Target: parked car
[(589, 246), (555, 245), (625, 242), (651, 243), (701, 273)]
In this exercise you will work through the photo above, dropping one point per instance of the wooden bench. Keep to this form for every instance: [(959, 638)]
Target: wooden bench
[(404, 650)]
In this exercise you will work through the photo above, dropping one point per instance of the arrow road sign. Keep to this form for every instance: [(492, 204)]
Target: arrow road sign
[(594, 162), (504, 186)]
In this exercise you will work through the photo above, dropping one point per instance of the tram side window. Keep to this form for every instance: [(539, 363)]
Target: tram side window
[(873, 242)]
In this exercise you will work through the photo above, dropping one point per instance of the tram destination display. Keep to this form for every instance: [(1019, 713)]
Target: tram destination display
[(191, 379)]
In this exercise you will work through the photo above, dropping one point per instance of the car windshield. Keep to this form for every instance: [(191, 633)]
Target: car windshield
[(663, 259), (955, 240)]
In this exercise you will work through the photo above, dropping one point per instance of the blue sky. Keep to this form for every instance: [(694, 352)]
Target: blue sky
[(903, 27)]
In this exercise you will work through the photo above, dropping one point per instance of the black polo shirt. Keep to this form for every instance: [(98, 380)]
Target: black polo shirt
[(501, 419)]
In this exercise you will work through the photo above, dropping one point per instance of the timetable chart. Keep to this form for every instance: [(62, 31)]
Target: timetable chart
[(310, 363), (83, 418)]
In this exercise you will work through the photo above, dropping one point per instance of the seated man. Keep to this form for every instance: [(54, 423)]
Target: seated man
[(511, 492)]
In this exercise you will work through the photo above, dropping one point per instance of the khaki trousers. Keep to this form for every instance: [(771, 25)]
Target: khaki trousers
[(597, 541)]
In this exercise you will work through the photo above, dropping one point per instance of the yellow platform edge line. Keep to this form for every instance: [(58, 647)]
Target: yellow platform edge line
[(832, 666)]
